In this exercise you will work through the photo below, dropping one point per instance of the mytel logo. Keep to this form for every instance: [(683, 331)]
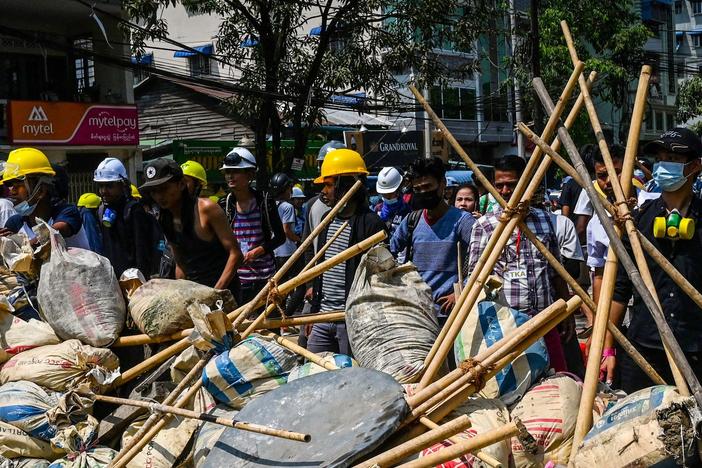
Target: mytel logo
[(37, 114)]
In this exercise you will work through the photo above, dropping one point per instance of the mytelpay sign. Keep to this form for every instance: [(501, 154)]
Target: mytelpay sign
[(386, 148)]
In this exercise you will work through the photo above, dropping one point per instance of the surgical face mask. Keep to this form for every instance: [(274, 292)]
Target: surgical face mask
[(391, 201), (24, 209), (669, 176), (425, 200)]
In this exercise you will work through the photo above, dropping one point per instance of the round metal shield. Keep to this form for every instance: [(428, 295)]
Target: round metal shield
[(348, 412)]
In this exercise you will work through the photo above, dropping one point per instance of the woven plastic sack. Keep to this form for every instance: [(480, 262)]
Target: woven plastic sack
[(23, 462), (310, 368), (485, 415), (208, 434), (24, 405), (78, 441), (390, 316), (15, 443), (62, 366), (487, 324), (168, 446), (548, 411), (17, 335), (160, 306), (650, 427), (255, 366), (79, 295)]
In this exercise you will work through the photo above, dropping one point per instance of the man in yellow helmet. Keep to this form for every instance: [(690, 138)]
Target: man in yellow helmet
[(194, 176), (30, 180), (340, 171)]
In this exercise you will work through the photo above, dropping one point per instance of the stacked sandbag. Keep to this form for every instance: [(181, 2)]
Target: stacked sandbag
[(24, 405), (168, 446), (390, 316), (340, 361), (485, 415), (17, 444), (160, 306), (488, 323), (208, 434), (78, 441), (17, 335), (23, 462), (20, 292), (79, 295), (650, 427), (255, 366), (549, 411), (62, 366)]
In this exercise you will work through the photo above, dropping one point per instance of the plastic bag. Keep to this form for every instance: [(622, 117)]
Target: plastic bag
[(62, 366), (79, 295), (160, 306), (390, 316)]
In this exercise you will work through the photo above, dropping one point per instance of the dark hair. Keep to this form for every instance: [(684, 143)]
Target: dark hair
[(187, 207), (595, 155), (423, 167), (509, 163), (470, 187)]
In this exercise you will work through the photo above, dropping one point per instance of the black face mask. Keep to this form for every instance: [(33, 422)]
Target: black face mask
[(425, 200)]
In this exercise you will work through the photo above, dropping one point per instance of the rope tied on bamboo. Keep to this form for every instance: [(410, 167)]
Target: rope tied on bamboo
[(478, 370), (521, 210), (621, 220), (274, 296)]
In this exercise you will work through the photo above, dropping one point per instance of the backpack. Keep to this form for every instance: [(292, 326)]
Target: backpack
[(412, 221)]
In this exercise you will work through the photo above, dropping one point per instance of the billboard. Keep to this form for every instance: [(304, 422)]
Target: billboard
[(382, 148), (72, 123)]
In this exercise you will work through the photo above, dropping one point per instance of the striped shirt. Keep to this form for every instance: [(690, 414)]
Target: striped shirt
[(334, 279), (248, 231)]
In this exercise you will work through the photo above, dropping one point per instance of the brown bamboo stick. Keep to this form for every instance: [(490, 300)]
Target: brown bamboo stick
[(466, 446), (297, 349), (486, 458), (173, 410), (525, 186), (436, 435), (620, 195)]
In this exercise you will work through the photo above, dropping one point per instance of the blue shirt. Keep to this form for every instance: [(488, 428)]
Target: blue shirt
[(434, 247), (92, 229), (60, 213)]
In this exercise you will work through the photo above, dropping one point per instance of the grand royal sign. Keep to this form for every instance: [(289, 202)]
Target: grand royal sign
[(72, 123)]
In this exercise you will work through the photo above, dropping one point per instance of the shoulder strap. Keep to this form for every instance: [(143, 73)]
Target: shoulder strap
[(412, 221)]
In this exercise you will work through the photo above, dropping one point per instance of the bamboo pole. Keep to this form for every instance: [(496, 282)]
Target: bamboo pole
[(304, 245), (436, 435), (297, 320), (483, 456), (297, 349), (241, 425), (282, 289), (466, 446), (621, 195)]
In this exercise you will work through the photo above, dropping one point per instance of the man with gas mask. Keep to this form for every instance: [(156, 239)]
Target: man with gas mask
[(393, 209), (127, 229), (673, 224), (429, 235), (30, 180), (340, 171)]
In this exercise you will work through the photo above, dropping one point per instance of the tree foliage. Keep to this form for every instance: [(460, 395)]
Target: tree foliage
[(689, 100)]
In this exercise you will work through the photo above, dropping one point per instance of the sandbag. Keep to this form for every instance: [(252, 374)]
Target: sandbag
[(24, 405), (62, 366), (208, 434), (78, 441), (310, 368), (549, 411), (255, 366), (648, 427), (485, 415), (160, 306), (23, 462), (168, 445), (20, 256), (390, 316), (15, 443), (79, 295), (17, 335), (487, 324)]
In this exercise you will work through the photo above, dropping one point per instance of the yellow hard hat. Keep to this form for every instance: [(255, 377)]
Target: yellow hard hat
[(135, 192), (214, 198), (26, 161), (340, 162), (195, 170), (89, 200)]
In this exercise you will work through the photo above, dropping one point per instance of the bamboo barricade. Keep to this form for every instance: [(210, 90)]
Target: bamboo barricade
[(486, 458), (241, 425), (621, 197), (297, 349), (283, 289), (468, 445), (436, 435), (555, 263), (497, 240), (278, 276)]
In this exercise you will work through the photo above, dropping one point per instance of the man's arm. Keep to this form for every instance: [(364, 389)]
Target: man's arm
[(217, 221), (398, 241)]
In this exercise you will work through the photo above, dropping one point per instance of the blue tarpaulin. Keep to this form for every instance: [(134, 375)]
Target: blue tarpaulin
[(204, 49), (146, 59), (249, 42), (316, 31)]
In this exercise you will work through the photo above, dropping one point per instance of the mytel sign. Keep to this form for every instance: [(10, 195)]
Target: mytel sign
[(72, 123)]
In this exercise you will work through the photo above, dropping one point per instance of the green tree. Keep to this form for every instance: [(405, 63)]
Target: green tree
[(361, 46), (689, 100)]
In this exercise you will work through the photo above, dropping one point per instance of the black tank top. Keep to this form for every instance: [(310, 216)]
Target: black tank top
[(201, 261)]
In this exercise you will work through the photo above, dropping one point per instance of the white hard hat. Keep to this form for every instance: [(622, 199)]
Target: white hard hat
[(451, 182), (239, 158), (110, 170), (298, 193), (389, 180)]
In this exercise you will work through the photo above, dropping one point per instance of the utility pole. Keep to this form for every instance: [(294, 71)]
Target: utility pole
[(517, 92), (535, 60)]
